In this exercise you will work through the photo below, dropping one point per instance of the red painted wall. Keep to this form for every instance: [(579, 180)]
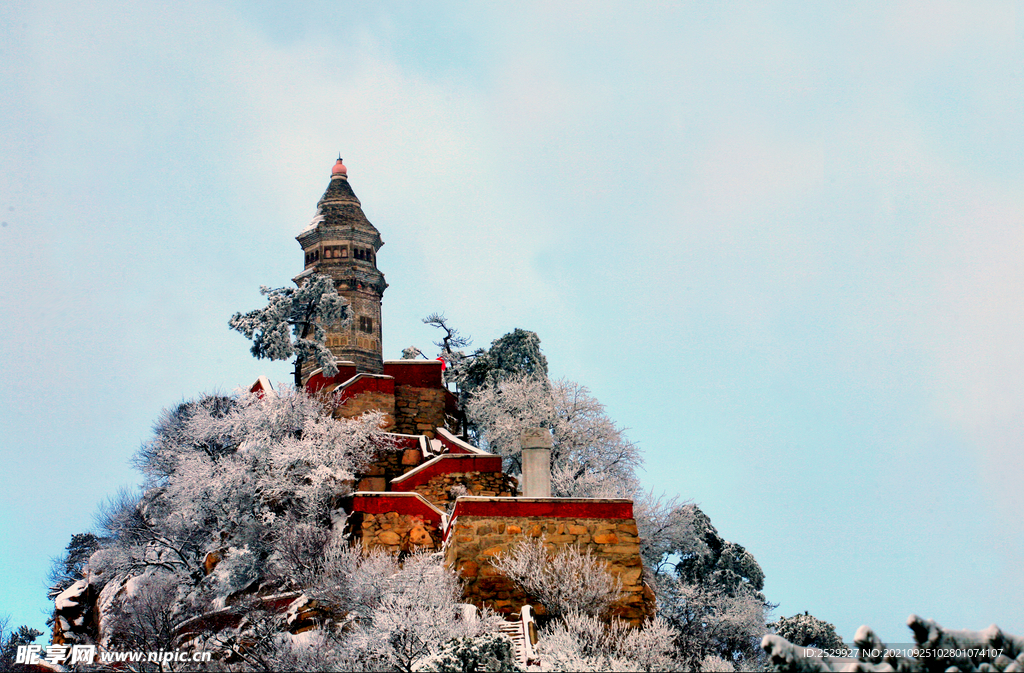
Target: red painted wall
[(446, 465), (412, 442), (367, 384), (318, 381), (402, 504), (415, 373), (568, 508), (452, 446)]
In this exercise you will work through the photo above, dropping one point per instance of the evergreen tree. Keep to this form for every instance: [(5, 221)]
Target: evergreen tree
[(806, 630), (515, 355), (708, 589), (10, 641), (67, 570), (294, 322)]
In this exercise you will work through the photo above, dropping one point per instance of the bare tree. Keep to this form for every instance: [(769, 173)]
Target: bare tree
[(145, 620), (566, 580), (580, 642), (591, 456)]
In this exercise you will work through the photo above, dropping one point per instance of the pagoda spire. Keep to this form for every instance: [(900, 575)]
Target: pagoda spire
[(341, 243)]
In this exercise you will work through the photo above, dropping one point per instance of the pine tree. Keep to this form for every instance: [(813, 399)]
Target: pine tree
[(10, 641), (294, 322)]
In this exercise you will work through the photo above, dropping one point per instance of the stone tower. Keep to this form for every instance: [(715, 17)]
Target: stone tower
[(341, 243)]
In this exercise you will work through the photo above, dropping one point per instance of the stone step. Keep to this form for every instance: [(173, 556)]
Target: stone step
[(514, 630)]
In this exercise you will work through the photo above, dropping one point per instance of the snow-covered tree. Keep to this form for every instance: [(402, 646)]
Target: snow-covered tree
[(707, 621), (240, 491), (591, 456), (939, 649), (667, 532), (487, 652), (230, 462), (581, 642), (577, 589), (708, 589), (294, 322), (226, 476), (512, 355), (67, 569), (515, 355), (806, 630), (145, 616), (413, 614), (566, 580), (451, 344), (411, 353)]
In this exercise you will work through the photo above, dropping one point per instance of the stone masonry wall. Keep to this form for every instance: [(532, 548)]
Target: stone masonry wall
[(439, 489), (388, 464), (369, 401), (418, 411), (394, 532), (475, 540)]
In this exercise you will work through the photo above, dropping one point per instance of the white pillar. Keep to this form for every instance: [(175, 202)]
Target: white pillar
[(536, 444)]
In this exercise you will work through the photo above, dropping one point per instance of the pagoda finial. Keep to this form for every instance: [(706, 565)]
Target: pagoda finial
[(339, 168)]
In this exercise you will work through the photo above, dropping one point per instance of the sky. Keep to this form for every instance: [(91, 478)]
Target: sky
[(780, 241)]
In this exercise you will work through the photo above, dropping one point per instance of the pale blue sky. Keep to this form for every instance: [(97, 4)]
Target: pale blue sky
[(780, 241)]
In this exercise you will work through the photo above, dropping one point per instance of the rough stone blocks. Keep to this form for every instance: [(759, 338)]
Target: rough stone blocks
[(476, 540)]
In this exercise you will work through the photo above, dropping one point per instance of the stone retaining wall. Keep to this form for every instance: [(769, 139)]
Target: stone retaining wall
[(474, 540), (394, 532), (369, 401), (418, 411), (390, 463), (439, 489)]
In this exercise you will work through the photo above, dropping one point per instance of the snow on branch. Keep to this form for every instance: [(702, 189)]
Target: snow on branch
[(294, 322), (566, 580)]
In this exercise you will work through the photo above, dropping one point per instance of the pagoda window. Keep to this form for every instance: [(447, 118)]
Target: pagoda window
[(365, 324), (344, 252)]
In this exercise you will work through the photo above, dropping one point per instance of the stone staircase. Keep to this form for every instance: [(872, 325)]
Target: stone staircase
[(514, 630), (519, 632)]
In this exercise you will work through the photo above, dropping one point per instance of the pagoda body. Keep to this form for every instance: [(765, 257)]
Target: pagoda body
[(342, 244)]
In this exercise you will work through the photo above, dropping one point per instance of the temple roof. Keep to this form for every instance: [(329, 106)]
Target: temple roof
[(339, 206), (339, 191)]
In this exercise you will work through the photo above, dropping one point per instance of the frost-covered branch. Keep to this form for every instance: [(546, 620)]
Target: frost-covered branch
[(294, 322), (666, 527), (580, 642), (452, 340), (937, 649), (591, 456), (566, 580)]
